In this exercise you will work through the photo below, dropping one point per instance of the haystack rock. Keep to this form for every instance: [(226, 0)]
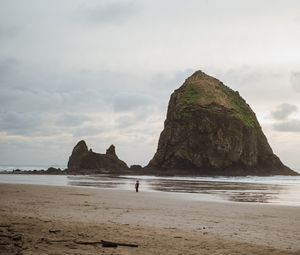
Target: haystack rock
[(85, 161), (211, 130)]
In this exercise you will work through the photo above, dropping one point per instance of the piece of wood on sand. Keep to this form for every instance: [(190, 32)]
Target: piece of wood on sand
[(116, 244), (104, 243)]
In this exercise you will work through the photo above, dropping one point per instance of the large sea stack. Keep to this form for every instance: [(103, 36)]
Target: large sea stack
[(85, 161), (211, 130)]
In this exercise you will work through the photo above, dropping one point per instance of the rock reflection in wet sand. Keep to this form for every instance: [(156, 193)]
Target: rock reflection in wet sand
[(94, 181), (238, 192), (230, 191)]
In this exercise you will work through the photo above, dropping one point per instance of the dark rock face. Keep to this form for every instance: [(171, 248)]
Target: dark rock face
[(138, 168), (78, 153), (211, 130), (111, 151), (53, 170), (86, 161)]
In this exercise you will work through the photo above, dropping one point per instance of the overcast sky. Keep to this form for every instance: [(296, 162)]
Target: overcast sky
[(103, 71)]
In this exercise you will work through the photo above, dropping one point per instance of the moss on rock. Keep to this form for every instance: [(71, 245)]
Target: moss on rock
[(210, 129)]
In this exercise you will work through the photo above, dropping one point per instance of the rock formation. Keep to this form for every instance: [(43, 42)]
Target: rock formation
[(86, 161), (211, 130)]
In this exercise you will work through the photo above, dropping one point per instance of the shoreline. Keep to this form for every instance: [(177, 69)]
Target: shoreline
[(140, 174), (277, 191), (150, 219)]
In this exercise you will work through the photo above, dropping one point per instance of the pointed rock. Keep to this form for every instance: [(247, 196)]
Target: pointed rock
[(84, 161), (211, 130), (111, 151), (79, 151)]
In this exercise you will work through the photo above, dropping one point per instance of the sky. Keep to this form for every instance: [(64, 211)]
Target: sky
[(103, 71)]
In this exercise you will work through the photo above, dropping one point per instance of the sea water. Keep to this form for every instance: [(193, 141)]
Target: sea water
[(283, 190)]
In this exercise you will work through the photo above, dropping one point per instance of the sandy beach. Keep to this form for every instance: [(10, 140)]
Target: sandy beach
[(63, 220)]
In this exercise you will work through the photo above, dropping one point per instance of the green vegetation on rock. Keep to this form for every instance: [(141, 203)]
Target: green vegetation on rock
[(242, 110), (211, 130), (191, 94)]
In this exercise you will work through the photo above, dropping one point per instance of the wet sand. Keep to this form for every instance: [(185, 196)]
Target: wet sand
[(58, 220)]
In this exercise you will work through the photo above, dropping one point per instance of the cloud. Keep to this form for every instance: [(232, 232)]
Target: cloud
[(8, 66), (113, 12), (78, 103), (283, 111), (26, 123), (71, 120), (292, 125), (89, 131), (57, 91), (282, 116), (171, 79), (125, 121), (41, 123), (295, 80), (131, 102), (35, 150), (242, 76), (8, 32)]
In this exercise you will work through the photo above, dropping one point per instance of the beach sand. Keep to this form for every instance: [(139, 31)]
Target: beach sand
[(58, 220)]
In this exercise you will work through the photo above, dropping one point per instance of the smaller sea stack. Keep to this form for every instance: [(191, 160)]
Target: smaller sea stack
[(85, 161)]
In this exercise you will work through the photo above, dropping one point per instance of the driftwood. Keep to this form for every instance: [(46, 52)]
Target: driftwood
[(55, 240), (116, 244), (109, 244), (87, 242), (104, 243), (54, 231)]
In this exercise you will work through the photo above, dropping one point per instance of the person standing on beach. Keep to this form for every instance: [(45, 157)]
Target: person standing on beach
[(137, 184)]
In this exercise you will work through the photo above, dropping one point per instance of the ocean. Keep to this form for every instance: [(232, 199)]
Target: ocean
[(10, 168), (281, 190)]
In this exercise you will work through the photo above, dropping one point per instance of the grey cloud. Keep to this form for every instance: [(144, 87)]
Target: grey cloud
[(8, 32), (42, 123), (125, 121), (288, 126), (28, 77), (38, 104), (28, 124), (14, 121), (295, 80), (35, 151), (8, 67), (110, 12), (163, 82), (39, 123), (54, 91), (8, 63), (71, 120), (89, 131), (28, 100), (240, 77), (131, 102), (283, 111)]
